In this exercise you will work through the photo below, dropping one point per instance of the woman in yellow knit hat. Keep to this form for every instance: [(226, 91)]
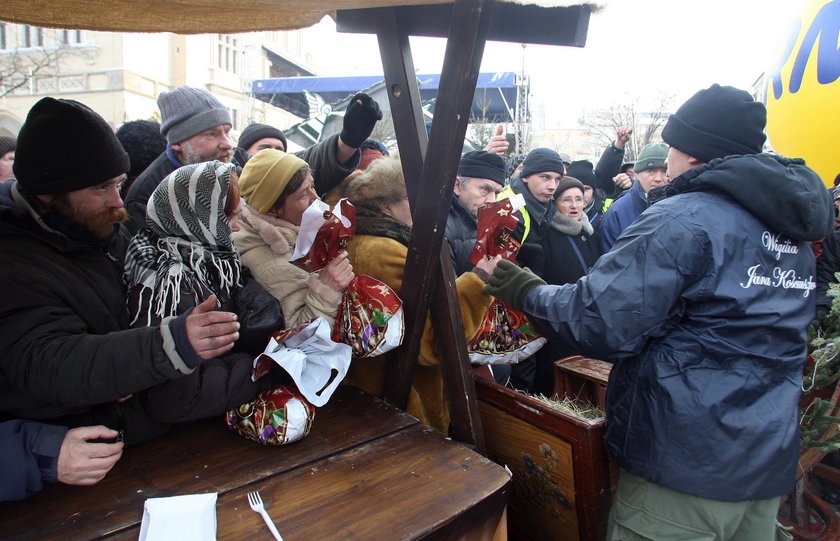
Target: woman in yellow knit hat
[(276, 188)]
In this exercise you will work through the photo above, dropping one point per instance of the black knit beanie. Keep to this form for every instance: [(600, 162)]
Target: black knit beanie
[(716, 122), (143, 142), (540, 160), (483, 164), (255, 132), (583, 171), (65, 146), (7, 144)]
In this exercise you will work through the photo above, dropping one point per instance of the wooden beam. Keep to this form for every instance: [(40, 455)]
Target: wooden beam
[(513, 22), (430, 181), (403, 95), (455, 362), (470, 20)]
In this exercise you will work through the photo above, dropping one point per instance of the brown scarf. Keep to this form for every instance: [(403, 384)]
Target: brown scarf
[(374, 222)]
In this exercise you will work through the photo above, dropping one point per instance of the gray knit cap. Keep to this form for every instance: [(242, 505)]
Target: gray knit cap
[(188, 111)]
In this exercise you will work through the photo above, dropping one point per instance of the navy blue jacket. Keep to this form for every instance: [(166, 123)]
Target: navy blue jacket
[(29, 452), (703, 305), (621, 214)]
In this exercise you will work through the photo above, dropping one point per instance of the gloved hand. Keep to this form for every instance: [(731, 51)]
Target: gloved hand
[(359, 120), (511, 284)]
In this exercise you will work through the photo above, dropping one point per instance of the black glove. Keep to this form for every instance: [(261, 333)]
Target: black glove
[(359, 120), (511, 284)]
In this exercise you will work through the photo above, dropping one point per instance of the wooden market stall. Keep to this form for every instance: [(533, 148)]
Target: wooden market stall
[(430, 166)]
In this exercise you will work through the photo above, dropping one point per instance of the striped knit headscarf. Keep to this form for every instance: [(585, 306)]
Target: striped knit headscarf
[(186, 246)]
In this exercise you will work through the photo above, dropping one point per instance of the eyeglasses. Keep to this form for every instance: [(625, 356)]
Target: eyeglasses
[(569, 200)]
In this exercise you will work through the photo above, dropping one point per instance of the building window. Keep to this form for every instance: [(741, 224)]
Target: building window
[(3, 44), (228, 48), (31, 36), (72, 37)]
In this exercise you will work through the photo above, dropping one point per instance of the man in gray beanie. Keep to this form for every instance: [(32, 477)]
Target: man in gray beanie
[(702, 407), (197, 129)]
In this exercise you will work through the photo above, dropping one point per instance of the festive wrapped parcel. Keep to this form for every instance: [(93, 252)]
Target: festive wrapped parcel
[(496, 224), (370, 316), (505, 335), (275, 417), (316, 363), (324, 232)]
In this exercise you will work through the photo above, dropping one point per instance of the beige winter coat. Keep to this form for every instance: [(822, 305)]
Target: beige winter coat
[(265, 245)]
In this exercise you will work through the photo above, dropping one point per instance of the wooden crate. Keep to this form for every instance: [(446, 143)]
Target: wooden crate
[(563, 480)]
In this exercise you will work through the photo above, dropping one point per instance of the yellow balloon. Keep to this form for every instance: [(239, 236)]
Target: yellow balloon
[(803, 90)]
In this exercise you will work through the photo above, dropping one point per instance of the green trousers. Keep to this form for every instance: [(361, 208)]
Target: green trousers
[(645, 511)]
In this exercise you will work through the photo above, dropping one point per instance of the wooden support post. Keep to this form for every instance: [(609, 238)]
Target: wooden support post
[(455, 362), (468, 28), (404, 97), (430, 178)]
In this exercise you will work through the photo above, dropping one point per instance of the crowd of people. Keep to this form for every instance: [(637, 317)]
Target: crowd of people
[(133, 262)]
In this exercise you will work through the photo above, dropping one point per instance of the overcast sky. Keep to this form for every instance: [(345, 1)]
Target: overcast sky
[(635, 50)]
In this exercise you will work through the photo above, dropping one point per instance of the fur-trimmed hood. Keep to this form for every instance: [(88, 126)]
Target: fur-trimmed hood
[(381, 183)]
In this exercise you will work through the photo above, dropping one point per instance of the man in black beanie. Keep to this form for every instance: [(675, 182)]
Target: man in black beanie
[(481, 175), (537, 182), (702, 407), (67, 355), (197, 128), (256, 137)]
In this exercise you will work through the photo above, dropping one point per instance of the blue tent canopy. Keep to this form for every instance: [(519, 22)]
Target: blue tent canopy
[(494, 99)]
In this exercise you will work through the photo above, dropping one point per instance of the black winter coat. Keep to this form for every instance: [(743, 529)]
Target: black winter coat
[(66, 353), (703, 305), (569, 256), (461, 234)]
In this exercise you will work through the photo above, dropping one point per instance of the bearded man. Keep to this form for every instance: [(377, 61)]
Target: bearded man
[(67, 355)]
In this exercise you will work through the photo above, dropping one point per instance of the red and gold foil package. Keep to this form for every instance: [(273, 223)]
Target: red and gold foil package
[(496, 224), (275, 417), (505, 335), (370, 316), (323, 234)]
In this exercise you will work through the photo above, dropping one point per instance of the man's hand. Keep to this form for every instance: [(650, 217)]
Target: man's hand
[(83, 463), (338, 273), (498, 143), (622, 135), (511, 284), (487, 266), (359, 119), (211, 333), (623, 181)]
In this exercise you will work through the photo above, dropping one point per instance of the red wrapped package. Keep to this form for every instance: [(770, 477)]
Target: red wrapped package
[(505, 335), (496, 224), (275, 417), (370, 317), (323, 234)]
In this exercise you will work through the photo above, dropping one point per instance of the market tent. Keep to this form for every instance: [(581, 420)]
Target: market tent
[(194, 16)]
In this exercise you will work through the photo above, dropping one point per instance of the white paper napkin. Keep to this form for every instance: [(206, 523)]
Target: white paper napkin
[(180, 518)]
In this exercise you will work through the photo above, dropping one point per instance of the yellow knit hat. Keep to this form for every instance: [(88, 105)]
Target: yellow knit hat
[(266, 175)]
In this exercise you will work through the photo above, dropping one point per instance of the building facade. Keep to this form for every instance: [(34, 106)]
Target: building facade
[(120, 75)]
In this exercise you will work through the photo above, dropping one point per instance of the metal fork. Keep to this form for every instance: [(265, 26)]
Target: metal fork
[(256, 503)]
